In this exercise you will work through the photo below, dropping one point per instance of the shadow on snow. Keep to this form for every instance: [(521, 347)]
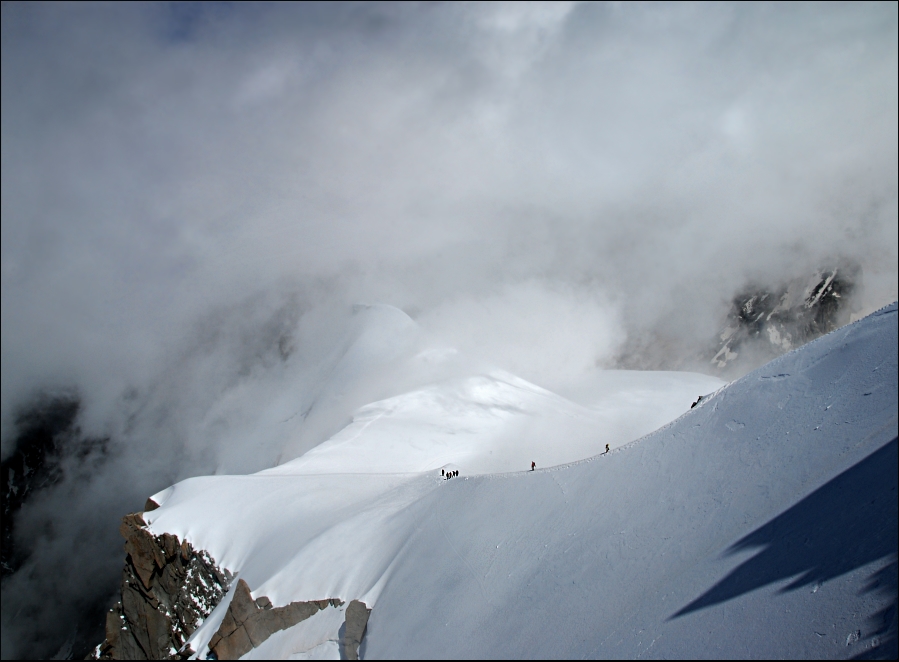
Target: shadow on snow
[(847, 523)]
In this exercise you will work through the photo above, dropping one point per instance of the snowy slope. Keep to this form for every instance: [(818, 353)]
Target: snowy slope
[(623, 555), (326, 524), (498, 422), (761, 524)]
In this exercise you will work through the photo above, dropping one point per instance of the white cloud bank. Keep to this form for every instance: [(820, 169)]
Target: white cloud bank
[(192, 192)]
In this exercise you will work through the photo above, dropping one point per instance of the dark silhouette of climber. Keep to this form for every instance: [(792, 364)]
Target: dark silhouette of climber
[(607, 449), (533, 465)]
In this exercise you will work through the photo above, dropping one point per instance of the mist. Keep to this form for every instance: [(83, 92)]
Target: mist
[(195, 196)]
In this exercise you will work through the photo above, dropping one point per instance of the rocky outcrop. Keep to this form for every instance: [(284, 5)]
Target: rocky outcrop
[(356, 621), (168, 590), (760, 322), (249, 622), (770, 321)]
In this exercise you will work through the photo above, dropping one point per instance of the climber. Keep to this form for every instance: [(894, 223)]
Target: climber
[(607, 449), (698, 400), (533, 465)]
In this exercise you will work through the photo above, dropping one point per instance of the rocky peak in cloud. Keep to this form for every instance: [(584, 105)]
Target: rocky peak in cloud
[(765, 323)]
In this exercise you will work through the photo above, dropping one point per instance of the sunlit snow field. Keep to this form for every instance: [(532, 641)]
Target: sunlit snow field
[(326, 524), (638, 533)]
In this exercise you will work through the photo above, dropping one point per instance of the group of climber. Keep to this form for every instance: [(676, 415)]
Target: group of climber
[(449, 474)]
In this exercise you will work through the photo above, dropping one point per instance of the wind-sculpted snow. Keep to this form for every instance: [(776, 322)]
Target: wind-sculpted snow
[(761, 524)]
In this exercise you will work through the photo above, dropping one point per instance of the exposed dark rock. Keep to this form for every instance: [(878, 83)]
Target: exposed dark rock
[(761, 321), (766, 322), (250, 622), (34, 464), (356, 621), (168, 590), (51, 460)]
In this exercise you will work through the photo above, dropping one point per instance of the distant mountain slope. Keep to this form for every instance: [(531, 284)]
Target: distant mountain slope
[(761, 321), (763, 523), (765, 322)]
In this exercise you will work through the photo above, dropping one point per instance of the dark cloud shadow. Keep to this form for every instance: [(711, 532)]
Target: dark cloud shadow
[(847, 523)]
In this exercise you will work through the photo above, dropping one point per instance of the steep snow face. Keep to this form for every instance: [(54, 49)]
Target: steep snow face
[(761, 524)]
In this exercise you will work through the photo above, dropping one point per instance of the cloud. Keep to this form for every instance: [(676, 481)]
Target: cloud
[(189, 189), (547, 333)]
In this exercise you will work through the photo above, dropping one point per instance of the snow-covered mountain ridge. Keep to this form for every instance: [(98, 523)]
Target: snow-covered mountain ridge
[(648, 539), (761, 524)]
